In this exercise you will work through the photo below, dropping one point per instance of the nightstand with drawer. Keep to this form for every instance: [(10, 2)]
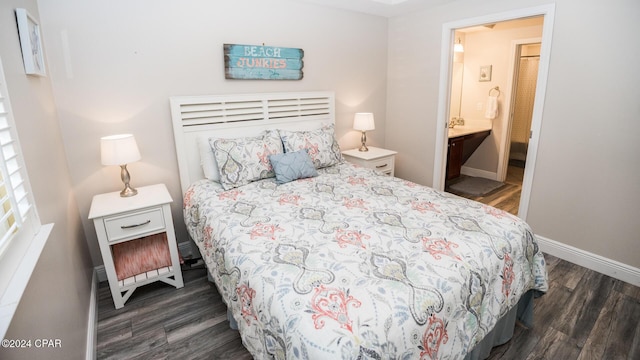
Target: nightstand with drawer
[(137, 240), (376, 158)]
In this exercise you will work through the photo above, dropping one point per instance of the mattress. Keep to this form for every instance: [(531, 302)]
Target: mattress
[(353, 263)]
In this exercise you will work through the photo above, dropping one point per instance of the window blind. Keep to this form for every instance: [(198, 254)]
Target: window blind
[(22, 237), (15, 204)]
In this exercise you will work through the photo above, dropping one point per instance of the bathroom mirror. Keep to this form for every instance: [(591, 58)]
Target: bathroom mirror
[(456, 89), (457, 75)]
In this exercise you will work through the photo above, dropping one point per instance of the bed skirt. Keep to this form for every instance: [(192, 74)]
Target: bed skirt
[(503, 331)]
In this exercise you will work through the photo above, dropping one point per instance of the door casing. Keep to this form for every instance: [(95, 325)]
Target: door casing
[(446, 59)]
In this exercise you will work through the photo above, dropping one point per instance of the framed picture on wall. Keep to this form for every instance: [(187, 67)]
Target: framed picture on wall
[(485, 73), (31, 43)]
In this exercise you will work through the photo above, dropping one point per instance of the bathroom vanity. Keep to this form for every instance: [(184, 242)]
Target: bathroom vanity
[(463, 141)]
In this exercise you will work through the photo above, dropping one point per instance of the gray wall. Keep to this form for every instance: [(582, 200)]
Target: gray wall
[(55, 304), (585, 190)]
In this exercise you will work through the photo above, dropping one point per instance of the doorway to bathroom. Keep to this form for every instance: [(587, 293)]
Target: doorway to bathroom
[(504, 193), (493, 62)]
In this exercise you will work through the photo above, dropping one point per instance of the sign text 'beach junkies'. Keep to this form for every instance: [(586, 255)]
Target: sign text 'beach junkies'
[(262, 62)]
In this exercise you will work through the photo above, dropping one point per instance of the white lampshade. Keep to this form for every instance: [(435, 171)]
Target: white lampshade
[(363, 122), (119, 149)]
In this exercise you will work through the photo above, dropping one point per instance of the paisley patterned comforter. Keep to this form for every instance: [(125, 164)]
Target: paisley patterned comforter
[(356, 264)]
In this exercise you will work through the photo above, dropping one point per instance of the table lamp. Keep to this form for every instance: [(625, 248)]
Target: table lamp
[(120, 150), (363, 122)]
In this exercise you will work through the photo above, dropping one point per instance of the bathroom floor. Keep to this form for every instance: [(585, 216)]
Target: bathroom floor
[(507, 197)]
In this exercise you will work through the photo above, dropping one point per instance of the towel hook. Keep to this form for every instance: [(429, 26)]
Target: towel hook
[(497, 88)]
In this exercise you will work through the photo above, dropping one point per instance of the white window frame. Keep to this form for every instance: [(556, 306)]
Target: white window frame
[(19, 254)]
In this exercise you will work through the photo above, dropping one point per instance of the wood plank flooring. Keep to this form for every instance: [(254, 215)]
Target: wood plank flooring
[(162, 322), (585, 315)]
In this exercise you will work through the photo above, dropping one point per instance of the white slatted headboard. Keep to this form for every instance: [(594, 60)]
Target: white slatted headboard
[(240, 115)]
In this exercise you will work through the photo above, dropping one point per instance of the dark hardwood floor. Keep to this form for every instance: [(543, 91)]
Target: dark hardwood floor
[(162, 322), (585, 315)]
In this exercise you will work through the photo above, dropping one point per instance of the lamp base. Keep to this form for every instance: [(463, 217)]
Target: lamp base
[(128, 190), (363, 139)]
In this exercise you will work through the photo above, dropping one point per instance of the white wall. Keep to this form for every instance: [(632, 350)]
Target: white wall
[(585, 189), (115, 64), (55, 304)]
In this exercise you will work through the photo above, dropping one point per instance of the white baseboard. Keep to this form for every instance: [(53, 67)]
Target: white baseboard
[(184, 248), (101, 273), (592, 261), (92, 325), (469, 171)]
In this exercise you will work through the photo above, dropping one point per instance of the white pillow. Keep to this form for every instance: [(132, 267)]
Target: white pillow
[(208, 160)]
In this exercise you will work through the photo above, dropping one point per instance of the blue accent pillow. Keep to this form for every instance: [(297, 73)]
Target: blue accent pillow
[(292, 166)]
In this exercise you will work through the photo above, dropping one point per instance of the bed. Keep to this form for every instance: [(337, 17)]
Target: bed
[(337, 261)]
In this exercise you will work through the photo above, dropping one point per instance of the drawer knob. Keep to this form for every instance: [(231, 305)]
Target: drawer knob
[(135, 225), (381, 166)]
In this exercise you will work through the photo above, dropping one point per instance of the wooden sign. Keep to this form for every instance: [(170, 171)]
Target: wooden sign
[(251, 62)]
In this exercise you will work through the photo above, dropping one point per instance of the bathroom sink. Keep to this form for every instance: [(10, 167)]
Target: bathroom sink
[(466, 130)]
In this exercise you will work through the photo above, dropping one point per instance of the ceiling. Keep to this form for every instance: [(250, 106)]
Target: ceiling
[(504, 25), (386, 8)]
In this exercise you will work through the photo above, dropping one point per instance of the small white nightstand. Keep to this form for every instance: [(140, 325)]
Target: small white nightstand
[(376, 158), (120, 220)]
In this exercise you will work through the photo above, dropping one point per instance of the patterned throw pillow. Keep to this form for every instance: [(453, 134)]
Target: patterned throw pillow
[(243, 160), (321, 145), (292, 166)]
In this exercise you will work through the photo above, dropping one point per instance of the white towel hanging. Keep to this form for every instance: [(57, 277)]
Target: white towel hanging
[(492, 108)]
